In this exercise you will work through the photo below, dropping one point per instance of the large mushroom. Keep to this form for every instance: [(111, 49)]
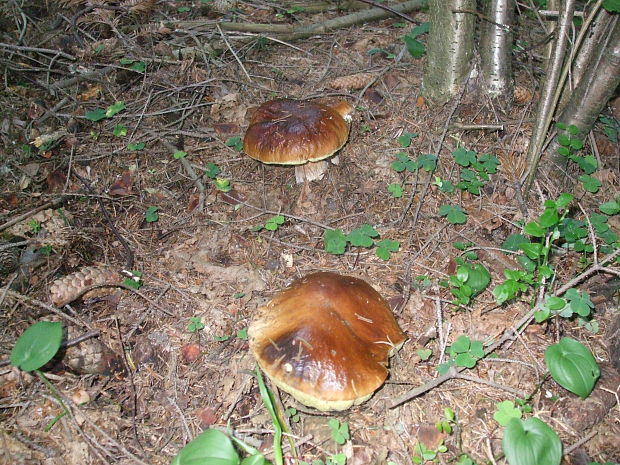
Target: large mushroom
[(326, 340), (298, 132)]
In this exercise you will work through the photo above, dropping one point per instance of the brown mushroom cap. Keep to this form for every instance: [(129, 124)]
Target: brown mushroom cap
[(293, 132), (326, 340)]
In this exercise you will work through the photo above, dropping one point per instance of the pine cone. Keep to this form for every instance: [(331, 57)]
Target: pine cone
[(522, 95), (70, 287), (9, 258)]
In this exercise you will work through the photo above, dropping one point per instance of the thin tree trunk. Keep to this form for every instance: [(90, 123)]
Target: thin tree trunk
[(496, 49), (595, 89), (450, 47)]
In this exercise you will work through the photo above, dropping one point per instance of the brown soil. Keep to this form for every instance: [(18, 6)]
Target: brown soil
[(151, 384)]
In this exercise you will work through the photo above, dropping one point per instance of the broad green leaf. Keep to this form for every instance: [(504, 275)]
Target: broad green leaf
[(513, 241), (453, 213), (256, 459), (464, 157), (114, 109), (135, 146), (564, 140), (588, 164), (563, 200), (555, 303), (532, 250), (531, 442), (37, 345), (427, 161), (462, 344), (476, 349), (549, 218), (534, 229), (119, 130), (95, 115), (415, 48), (405, 139), (506, 411), (465, 360), (610, 208), (572, 366), (362, 236), (590, 183), (580, 302), (422, 28), (210, 447), (386, 247), (151, 215), (479, 278), (613, 6), (334, 241), (396, 190), (179, 154)]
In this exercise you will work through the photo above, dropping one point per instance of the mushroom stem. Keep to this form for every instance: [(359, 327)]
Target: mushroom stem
[(311, 171)]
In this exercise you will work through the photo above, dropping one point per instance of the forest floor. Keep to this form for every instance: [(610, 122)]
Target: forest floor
[(205, 260)]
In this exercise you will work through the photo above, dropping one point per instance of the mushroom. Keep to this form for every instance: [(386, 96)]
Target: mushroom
[(326, 340), (298, 132)]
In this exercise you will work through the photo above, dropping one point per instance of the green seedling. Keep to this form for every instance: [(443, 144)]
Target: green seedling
[(212, 170), (292, 414), (195, 324), (335, 241), (396, 190), (273, 223), (422, 454), (506, 411), (339, 431), (242, 334), (427, 161), (453, 213), (469, 281), (137, 66), (222, 184), (34, 226), (611, 128), (135, 281), (570, 144), (136, 146), (405, 139), (449, 419), (99, 113), (235, 143), (424, 354), (416, 48), (475, 169), (119, 130), (463, 353), (46, 250), (444, 185), (151, 215), (178, 154)]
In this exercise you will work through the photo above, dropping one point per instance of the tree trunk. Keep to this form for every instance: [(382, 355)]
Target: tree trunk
[(450, 47), (496, 49), (597, 86)]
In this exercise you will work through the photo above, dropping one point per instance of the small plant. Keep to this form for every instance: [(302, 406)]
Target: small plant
[(453, 213), (422, 454), (195, 324), (611, 128), (449, 419), (335, 241), (531, 442), (136, 146), (572, 366), (137, 66), (119, 130), (506, 411), (416, 48), (235, 143), (35, 226), (476, 169), (135, 281), (339, 431), (99, 113), (272, 224), (151, 215), (570, 143), (292, 414), (177, 155), (463, 353), (469, 281)]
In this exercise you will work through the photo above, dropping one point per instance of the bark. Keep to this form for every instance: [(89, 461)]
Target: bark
[(496, 49), (595, 89), (450, 47)]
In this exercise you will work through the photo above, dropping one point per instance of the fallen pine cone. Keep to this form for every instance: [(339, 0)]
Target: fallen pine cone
[(70, 287), (352, 81)]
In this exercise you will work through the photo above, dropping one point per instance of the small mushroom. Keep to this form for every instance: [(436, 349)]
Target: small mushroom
[(326, 340), (298, 132)]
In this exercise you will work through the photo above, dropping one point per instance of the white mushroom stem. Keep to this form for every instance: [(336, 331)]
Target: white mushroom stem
[(311, 171)]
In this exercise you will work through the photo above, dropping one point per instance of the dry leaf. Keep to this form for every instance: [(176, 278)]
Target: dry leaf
[(91, 93), (56, 181), (122, 186)]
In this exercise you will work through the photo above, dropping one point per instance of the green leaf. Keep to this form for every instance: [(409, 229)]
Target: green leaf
[(427, 161), (151, 215), (138, 66), (222, 185), (506, 411), (513, 242), (576, 144), (563, 200), (489, 162), (464, 157), (242, 334), (453, 213), (210, 447), (465, 360), (572, 130), (396, 190), (212, 170), (135, 146), (339, 431), (422, 28), (590, 183), (37, 345), (610, 208), (119, 131), (114, 109), (424, 354), (588, 164), (274, 222), (405, 139), (362, 236), (179, 154), (564, 140), (235, 142), (531, 442), (95, 115), (572, 366), (613, 6), (415, 48), (580, 302), (533, 250), (461, 345), (550, 217), (334, 241), (385, 248), (478, 278), (534, 229), (195, 324), (555, 303)]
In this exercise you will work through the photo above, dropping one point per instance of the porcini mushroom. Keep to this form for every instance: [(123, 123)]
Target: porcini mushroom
[(298, 132), (326, 340)]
